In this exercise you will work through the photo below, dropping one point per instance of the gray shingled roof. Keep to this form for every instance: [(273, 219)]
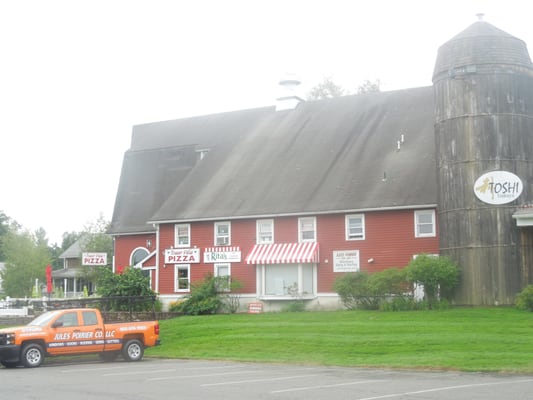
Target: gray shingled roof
[(325, 156)]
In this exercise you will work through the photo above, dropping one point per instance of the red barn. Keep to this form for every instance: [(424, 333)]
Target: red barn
[(286, 198)]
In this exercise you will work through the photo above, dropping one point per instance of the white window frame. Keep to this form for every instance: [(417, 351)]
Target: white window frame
[(259, 224), (216, 271), (223, 242), (303, 221), (347, 222), (418, 224), (135, 251), (284, 294), (177, 268), (177, 235)]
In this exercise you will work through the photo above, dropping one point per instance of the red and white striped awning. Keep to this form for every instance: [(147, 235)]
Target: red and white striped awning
[(283, 253)]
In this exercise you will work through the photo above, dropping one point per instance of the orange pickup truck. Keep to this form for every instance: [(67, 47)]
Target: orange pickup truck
[(75, 331)]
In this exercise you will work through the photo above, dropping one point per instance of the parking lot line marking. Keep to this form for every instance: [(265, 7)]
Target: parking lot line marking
[(282, 378), (325, 386), (162, 378), (441, 389)]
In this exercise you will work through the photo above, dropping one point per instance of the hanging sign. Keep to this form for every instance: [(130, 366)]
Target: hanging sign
[(498, 187), (93, 259)]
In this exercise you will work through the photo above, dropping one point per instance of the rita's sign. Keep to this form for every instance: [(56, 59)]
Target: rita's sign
[(498, 187)]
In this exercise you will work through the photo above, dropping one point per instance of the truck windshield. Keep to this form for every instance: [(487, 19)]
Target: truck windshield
[(43, 319)]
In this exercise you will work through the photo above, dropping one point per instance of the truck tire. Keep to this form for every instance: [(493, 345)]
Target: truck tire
[(133, 350), (32, 355)]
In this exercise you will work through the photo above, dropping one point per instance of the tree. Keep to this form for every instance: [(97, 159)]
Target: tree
[(326, 89), (131, 282), (369, 87), (96, 238), (27, 256)]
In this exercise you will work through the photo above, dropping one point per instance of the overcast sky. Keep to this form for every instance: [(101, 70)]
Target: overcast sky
[(75, 76)]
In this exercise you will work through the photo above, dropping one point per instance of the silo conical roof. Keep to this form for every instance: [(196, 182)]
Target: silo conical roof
[(480, 44)]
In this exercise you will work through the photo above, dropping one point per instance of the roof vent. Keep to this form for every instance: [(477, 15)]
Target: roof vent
[(288, 99)]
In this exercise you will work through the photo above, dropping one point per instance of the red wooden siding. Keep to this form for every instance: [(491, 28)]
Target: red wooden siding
[(389, 240)]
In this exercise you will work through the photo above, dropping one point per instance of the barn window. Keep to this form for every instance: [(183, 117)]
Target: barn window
[(355, 227), (307, 229), (223, 276), (287, 281), (265, 231), (222, 233), (138, 255), (182, 277), (425, 223), (182, 235)]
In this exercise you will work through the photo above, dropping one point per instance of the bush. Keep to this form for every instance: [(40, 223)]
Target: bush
[(369, 291), (438, 275), (524, 299), (202, 300), (212, 295)]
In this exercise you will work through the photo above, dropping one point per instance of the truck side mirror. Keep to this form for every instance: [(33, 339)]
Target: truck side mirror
[(57, 324)]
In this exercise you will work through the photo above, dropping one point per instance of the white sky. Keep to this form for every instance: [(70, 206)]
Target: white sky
[(75, 76)]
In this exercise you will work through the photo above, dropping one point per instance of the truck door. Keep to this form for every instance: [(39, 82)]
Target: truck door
[(76, 332)]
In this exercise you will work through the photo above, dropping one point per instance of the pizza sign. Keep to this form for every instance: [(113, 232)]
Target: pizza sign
[(93, 259)]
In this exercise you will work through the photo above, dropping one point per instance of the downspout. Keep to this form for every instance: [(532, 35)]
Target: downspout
[(156, 258)]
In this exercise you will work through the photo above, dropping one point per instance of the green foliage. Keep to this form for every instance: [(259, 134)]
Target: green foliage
[(369, 87), (96, 239), (369, 291), (202, 300), (524, 299), (131, 282), (325, 90), (26, 256), (211, 296), (438, 275)]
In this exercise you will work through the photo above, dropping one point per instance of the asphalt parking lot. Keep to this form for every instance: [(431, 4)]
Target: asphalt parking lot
[(185, 379)]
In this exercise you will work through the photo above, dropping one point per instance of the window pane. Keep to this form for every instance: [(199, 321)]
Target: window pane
[(279, 279)]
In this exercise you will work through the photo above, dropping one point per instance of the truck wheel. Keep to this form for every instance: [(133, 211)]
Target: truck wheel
[(32, 355), (133, 350), (9, 364)]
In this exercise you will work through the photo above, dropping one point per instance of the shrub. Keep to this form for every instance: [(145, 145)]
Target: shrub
[(212, 295), (369, 291), (202, 300), (524, 299), (438, 275)]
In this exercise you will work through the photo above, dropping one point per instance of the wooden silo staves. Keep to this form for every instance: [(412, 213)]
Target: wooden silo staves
[(483, 86)]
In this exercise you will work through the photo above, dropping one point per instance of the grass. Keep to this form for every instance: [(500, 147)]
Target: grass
[(465, 339)]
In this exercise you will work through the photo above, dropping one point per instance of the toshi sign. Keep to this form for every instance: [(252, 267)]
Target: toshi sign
[(498, 187)]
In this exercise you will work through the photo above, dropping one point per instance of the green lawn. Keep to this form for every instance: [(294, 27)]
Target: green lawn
[(467, 339)]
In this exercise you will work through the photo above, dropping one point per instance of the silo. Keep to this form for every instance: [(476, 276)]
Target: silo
[(483, 88)]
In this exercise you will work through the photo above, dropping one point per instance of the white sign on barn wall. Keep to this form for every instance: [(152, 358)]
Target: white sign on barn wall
[(93, 259), (176, 256), (346, 261), (498, 187)]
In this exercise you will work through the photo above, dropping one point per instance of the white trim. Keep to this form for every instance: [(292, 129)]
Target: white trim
[(347, 226), (300, 231), (433, 232), (264, 216)]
